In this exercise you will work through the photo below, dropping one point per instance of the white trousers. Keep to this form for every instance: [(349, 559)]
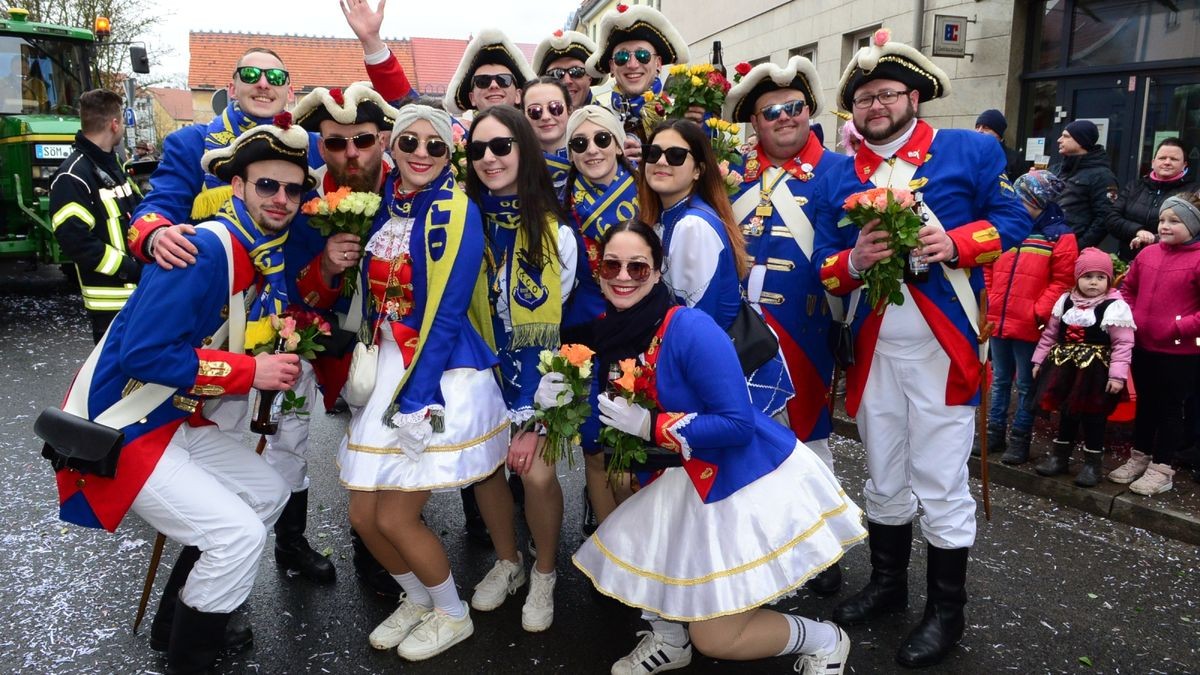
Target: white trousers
[(287, 450), (211, 491), (917, 449)]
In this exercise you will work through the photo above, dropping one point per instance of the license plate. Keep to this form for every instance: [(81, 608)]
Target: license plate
[(46, 151)]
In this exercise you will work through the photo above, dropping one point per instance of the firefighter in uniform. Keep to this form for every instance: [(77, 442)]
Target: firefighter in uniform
[(91, 200)]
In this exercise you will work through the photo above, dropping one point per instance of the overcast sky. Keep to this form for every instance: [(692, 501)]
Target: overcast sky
[(523, 22)]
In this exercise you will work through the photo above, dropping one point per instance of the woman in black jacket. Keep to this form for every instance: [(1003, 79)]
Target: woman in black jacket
[(1134, 218)]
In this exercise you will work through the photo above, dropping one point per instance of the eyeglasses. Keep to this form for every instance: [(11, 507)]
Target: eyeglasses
[(636, 269), (555, 108), (276, 77), (887, 97), (579, 144), (675, 156), (576, 73), (642, 55), (500, 146), (792, 108), (338, 143), (269, 187), (503, 80), (436, 147)]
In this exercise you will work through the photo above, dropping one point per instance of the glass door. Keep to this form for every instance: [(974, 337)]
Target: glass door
[(1171, 105)]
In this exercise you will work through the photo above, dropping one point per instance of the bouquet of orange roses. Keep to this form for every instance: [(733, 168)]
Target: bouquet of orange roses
[(896, 211), (343, 211), (574, 363), (636, 385)]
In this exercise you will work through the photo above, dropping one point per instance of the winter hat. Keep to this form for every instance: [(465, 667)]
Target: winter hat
[(409, 114), (992, 119), (1038, 188), (1187, 212), (600, 116), (1092, 259), (1085, 133), (886, 60)]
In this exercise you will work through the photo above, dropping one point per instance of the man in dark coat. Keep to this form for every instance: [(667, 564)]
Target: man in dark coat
[(992, 123), (1091, 185)]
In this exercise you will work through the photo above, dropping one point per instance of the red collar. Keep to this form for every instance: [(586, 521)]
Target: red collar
[(915, 152), (809, 156)]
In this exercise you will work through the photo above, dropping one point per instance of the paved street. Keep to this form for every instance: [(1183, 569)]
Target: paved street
[(1052, 589)]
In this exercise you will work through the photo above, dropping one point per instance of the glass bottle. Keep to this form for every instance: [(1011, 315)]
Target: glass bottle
[(267, 405)]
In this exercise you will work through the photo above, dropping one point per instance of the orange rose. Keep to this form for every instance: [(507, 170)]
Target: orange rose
[(628, 374), (310, 207), (334, 198), (576, 355)]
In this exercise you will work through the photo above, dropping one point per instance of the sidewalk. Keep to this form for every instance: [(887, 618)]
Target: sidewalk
[(1174, 514)]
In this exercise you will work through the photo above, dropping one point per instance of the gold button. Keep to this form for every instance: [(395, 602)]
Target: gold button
[(206, 341), (80, 483)]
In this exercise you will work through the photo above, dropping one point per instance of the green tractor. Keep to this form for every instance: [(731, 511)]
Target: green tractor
[(44, 69)]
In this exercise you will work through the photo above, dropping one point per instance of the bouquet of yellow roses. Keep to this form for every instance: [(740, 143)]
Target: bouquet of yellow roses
[(574, 363), (343, 211)]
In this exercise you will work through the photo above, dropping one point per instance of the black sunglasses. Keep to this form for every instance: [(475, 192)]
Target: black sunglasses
[(576, 73), (642, 55), (610, 269), (675, 156), (792, 108), (579, 144), (276, 77), (504, 81), (269, 187), (555, 108), (500, 146), (436, 147), (361, 141)]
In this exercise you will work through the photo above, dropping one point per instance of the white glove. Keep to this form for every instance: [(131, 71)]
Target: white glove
[(552, 392), (624, 416), (414, 436)]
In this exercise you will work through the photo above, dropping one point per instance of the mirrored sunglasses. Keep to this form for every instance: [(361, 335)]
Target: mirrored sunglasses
[(642, 55), (792, 108), (276, 77), (555, 108)]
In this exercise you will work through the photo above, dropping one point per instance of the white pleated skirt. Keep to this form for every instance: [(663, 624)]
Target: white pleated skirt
[(667, 552), (473, 445)]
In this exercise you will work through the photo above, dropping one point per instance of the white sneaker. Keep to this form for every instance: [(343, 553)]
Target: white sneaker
[(1156, 480), (653, 655), (436, 633), (396, 627), (502, 581), (538, 612), (832, 663), (1132, 469)]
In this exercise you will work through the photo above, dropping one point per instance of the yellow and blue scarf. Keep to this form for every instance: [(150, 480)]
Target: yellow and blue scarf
[(534, 295), (599, 207), (558, 164), (266, 252)]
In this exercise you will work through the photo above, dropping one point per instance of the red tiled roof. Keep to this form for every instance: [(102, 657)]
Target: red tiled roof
[(312, 61), (437, 59), (177, 102)]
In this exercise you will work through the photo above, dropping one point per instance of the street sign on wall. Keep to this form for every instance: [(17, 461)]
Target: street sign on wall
[(949, 35)]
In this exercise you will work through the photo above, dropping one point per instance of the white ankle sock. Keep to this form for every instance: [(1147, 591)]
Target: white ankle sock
[(414, 589), (809, 637), (673, 633), (547, 575), (445, 598)]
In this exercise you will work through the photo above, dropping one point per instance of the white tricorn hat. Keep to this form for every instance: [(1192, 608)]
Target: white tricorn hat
[(640, 22), (563, 44), (799, 74), (357, 104), (491, 46), (279, 140), (887, 60)]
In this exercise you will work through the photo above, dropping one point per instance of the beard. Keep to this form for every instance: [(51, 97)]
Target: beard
[(366, 180), (896, 125)]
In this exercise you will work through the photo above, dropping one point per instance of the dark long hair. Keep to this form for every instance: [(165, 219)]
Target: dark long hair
[(535, 193), (647, 233), (710, 187)]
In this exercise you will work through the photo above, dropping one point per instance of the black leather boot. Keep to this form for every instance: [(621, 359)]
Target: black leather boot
[(828, 582), (1018, 447), (1090, 474), (942, 625), (196, 640), (237, 632), (1055, 463), (887, 591), (370, 573), (292, 551)]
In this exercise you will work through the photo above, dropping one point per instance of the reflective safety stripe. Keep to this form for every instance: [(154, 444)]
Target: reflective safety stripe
[(116, 236), (100, 298), (72, 210), (110, 262)]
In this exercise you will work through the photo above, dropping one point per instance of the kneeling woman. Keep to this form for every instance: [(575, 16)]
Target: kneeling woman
[(704, 544), (435, 419)]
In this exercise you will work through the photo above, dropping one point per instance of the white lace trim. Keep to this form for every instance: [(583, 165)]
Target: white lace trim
[(1081, 318), (520, 416), (685, 448), (415, 417), (1058, 306), (1120, 314), (391, 241)]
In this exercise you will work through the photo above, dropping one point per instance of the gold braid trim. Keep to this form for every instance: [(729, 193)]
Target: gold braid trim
[(1079, 354)]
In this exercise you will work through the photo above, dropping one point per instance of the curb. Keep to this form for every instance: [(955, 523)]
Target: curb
[(1107, 500)]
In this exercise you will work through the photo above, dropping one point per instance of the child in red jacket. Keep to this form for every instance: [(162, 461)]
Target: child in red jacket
[(1163, 287), (1085, 350), (1023, 285)]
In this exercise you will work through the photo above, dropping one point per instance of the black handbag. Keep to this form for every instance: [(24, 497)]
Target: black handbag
[(753, 339), (77, 443), (841, 344)]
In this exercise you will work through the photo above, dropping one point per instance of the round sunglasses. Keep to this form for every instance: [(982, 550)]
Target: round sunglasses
[(276, 77), (576, 73), (675, 156), (503, 80), (500, 146), (554, 108), (579, 144), (642, 55), (436, 147), (637, 270), (269, 187), (792, 108), (339, 143)]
